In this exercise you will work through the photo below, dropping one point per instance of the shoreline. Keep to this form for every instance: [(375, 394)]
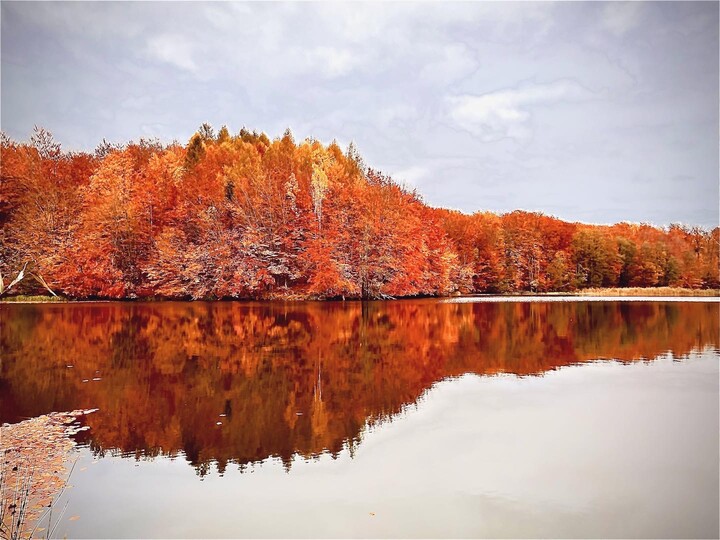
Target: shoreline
[(603, 294)]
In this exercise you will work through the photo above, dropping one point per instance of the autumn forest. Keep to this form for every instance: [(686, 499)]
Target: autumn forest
[(243, 216)]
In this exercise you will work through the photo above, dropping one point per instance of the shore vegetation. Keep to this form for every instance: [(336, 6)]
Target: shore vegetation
[(241, 216)]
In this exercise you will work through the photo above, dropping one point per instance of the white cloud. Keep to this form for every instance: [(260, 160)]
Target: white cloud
[(506, 113), (224, 15), (173, 49), (401, 112), (411, 175), (620, 17), (331, 62), (455, 61), (359, 22)]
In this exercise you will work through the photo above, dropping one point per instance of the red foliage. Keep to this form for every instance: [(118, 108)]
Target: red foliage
[(245, 217)]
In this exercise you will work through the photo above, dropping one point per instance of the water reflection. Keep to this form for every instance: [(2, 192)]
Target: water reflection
[(234, 382)]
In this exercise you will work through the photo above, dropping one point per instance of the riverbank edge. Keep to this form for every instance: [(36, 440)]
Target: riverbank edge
[(614, 292)]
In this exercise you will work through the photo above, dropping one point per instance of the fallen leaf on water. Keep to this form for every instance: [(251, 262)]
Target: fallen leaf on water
[(74, 518)]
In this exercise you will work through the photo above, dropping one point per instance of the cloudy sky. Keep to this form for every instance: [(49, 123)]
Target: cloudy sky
[(595, 112)]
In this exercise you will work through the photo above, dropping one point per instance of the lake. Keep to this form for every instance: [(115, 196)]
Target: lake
[(407, 418)]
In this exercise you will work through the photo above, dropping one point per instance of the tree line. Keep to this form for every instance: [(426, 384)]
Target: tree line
[(242, 216)]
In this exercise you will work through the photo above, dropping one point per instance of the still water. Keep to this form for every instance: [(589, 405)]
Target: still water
[(413, 418)]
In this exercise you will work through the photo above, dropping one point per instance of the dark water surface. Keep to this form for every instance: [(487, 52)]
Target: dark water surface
[(417, 418)]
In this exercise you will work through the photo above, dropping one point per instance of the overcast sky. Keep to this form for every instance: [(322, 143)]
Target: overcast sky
[(595, 112)]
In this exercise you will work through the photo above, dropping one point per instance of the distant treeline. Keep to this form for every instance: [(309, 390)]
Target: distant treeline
[(241, 216)]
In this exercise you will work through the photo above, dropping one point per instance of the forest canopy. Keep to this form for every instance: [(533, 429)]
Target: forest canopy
[(242, 216)]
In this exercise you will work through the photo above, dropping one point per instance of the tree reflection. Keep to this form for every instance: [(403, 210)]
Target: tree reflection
[(297, 377)]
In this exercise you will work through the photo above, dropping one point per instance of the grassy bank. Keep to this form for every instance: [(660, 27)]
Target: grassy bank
[(32, 298), (648, 291), (599, 292)]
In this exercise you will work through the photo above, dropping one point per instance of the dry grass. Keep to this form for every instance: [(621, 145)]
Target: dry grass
[(32, 299), (34, 472), (648, 291)]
